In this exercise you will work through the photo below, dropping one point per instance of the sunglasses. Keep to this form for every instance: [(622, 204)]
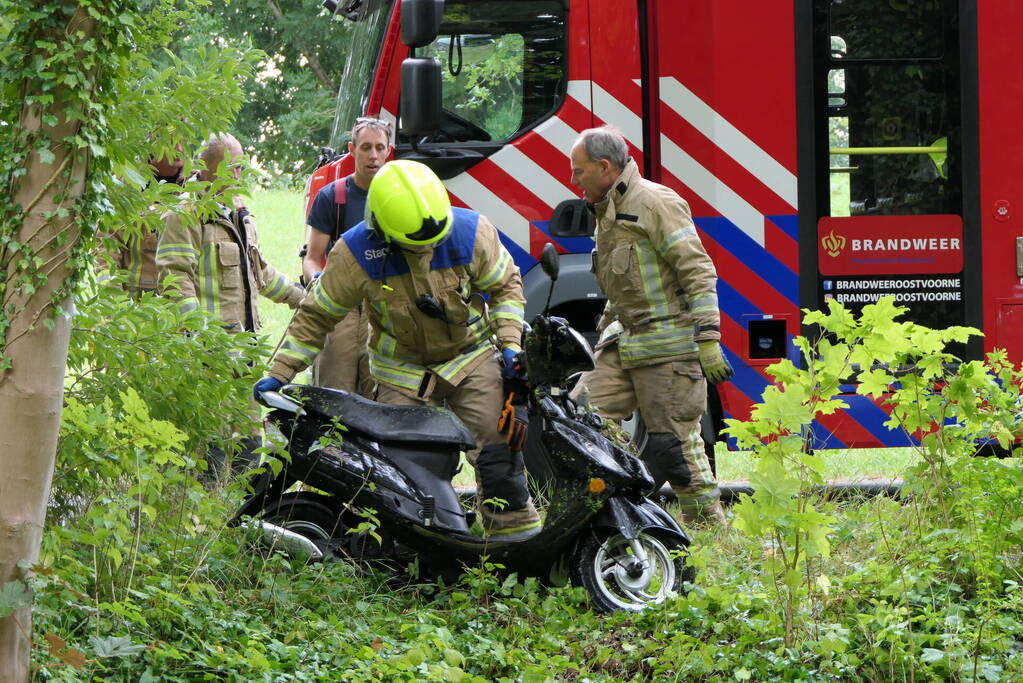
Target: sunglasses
[(371, 121)]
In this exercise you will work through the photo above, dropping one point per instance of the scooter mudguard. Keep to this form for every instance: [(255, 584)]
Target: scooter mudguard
[(633, 518)]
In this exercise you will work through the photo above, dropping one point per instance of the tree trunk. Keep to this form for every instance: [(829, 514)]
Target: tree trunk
[(310, 57), (31, 392)]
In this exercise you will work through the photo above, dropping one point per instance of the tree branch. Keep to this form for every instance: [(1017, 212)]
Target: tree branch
[(44, 188), (314, 63)]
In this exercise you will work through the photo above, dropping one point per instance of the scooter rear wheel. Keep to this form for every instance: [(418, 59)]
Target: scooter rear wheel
[(316, 517), (612, 570), (307, 514)]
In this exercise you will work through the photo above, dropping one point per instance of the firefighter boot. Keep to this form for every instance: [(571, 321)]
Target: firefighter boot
[(662, 456), (666, 462), (506, 507), (701, 508)]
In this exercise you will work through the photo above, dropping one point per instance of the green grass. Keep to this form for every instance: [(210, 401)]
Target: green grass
[(851, 465), (280, 219)]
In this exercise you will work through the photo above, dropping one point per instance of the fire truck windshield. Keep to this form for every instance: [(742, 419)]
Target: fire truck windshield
[(365, 37), (503, 68)]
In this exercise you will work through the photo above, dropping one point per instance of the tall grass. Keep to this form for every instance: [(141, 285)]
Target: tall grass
[(852, 465)]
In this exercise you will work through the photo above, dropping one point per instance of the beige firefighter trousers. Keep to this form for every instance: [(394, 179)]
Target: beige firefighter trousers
[(344, 362), (477, 401), (671, 398)]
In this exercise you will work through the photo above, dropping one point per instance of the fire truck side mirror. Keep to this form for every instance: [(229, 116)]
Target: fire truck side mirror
[(420, 96), (420, 21)]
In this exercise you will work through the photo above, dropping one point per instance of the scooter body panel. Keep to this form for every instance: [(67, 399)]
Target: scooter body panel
[(533, 556), (399, 485), (632, 518)]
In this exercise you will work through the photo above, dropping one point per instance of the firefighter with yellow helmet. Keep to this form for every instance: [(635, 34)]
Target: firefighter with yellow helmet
[(417, 262)]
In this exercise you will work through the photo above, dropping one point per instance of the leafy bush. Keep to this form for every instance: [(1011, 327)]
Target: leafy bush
[(962, 535), (140, 580), (185, 366)]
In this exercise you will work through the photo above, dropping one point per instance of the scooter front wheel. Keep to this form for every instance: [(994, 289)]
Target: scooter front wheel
[(620, 574)]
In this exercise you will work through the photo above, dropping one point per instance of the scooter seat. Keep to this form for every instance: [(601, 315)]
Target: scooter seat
[(384, 422)]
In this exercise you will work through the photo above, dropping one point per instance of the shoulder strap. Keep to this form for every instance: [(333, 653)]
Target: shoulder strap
[(340, 198), (341, 190)]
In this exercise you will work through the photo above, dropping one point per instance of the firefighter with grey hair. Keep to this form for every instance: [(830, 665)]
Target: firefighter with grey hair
[(218, 260), (221, 269), (660, 330)]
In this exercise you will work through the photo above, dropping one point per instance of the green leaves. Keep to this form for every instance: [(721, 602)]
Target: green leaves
[(889, 360), (875, 383), (89, 82), (13, 596), (114, 646), (287, 100), (45, 155), (838, 320), (786, 407)]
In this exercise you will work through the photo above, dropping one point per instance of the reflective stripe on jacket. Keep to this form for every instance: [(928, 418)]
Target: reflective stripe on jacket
[(133, 255), (221, 272), (659, 280), (406, 345)]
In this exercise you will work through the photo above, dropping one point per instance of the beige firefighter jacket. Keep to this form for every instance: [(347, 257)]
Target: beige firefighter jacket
[(660, 283), (408, 349), (220, 272), (133, 255)]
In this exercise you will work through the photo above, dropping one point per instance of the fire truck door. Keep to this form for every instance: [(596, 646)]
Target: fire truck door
[(890, 206), (616, 40)]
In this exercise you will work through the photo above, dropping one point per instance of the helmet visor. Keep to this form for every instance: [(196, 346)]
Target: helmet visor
[(431, 231)]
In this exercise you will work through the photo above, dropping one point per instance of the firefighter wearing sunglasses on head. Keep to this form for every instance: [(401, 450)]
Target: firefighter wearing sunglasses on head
[(338, 207), (416, 262)]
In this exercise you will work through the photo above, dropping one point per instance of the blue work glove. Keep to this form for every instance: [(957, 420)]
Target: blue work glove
[(509, 359), (266, 384), (716, 367)]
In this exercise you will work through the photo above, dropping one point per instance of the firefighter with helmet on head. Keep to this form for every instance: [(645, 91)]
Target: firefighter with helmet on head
[(133, 253), (417, 261)]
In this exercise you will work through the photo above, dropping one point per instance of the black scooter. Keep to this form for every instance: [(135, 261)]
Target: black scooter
[(386, 474)]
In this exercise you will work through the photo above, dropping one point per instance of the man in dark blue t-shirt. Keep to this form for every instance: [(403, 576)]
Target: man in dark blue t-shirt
[(330, 218), (338, 206)]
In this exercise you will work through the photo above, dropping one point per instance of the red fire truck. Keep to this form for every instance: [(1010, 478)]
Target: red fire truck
[(843, 149)]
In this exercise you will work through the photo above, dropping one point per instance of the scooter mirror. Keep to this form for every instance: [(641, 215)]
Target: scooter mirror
[(549, 261)]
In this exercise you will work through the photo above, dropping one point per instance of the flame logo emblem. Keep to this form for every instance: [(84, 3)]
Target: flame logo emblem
[(833, 244)]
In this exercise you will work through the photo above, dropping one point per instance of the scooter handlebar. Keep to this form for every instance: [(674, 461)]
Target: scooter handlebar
[(278, 401)]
